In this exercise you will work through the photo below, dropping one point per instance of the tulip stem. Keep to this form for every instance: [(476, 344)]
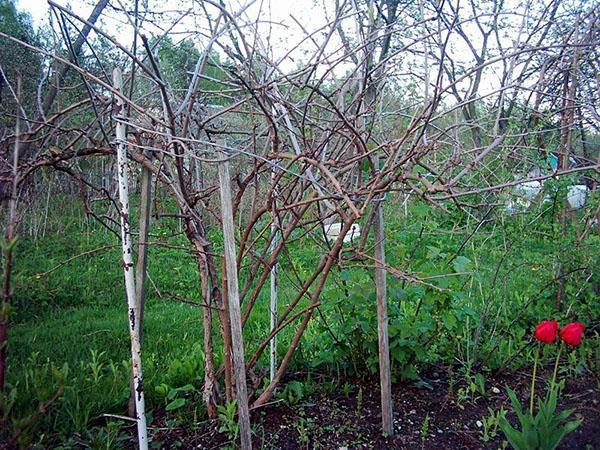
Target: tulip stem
[(535, 362), (556, 365)]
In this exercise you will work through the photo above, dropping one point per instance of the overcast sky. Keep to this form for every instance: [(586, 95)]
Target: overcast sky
[(282, 27), (279, 21), (280, 14)]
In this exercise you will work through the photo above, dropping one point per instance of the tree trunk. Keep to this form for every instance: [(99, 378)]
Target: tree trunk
[(62, 70)]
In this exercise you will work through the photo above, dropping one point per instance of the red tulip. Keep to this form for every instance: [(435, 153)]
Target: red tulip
[(546, 331), (572, 333)]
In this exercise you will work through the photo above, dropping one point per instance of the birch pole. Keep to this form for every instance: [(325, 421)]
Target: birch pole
[(127, 251), (233, 299)]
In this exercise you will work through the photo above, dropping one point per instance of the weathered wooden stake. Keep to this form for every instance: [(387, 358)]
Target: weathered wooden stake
[(141, 274), (142, 264), (566, 126), (127, 247), (233, 299), (274, 285), (385, 377)]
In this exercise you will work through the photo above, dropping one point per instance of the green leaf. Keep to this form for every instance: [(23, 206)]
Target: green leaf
[(172, 394), (542, 431), (449, 320), (432, 252), (513, 436), (186, 388), (462, 264), (162, 389), (420, 210), (177, 403)]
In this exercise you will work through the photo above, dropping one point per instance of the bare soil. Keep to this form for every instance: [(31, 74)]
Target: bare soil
[(334, 420)]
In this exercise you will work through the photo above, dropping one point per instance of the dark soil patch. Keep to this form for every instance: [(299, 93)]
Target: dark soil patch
[(337, 418)]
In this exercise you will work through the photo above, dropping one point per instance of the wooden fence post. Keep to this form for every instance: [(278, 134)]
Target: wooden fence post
[(274, 285), (142, 264), (233, 299), (387, 415)]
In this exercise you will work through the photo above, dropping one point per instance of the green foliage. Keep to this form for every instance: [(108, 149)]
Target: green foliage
[(491, 423), (293, 392), (474, 388), (174, 397), (425, 430), (346, 389), (16, 60), (542, 431), (43, 387), (476, 307), (359, 401), (177, 61), (229, 424), (304, 426), (108, 437)]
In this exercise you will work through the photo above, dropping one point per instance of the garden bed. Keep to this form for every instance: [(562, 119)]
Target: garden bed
[(436, 413)]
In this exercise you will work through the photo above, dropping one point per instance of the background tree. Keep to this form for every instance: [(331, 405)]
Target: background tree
[(15, 61)]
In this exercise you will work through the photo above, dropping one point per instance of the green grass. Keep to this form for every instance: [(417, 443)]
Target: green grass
[(69, 330), (71, 334)]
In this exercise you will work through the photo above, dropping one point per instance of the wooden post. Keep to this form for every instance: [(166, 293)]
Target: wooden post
[(566, 134), (233, 299), (387, 415), (142, 264), (142, 260), (274, 285), (385, 377), (426, 74), (127, 253)]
